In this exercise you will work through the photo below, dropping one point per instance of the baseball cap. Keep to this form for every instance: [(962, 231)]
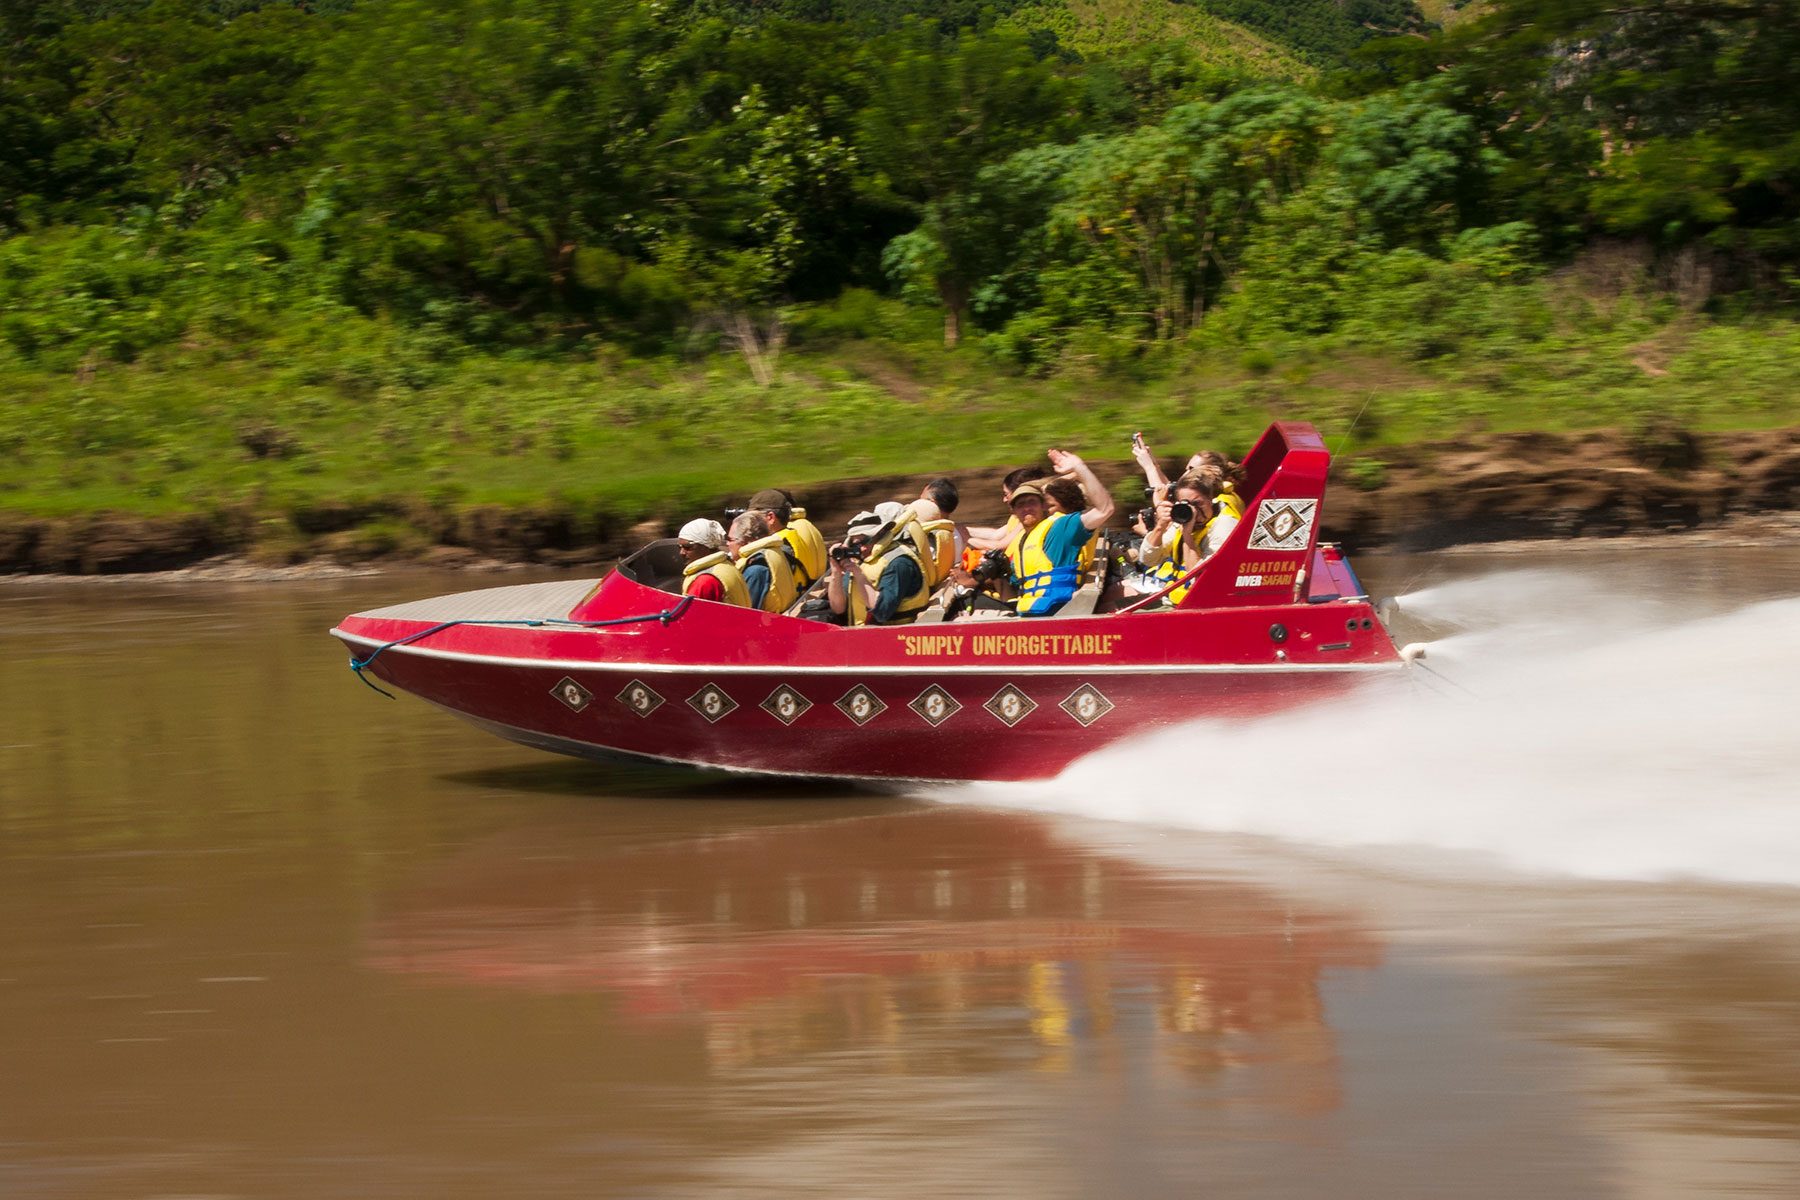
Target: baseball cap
[(771, 500), (703, 531), (1023, 490)]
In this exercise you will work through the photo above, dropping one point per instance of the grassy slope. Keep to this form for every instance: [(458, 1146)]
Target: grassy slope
[(354, 411), (1099, 26), (1450, 12), (180, 432)]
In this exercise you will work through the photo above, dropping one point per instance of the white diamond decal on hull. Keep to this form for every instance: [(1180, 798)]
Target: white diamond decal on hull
[(1010, 705), (861, 705), (1086, 704), (571, 693), (935, 705), (712, 703), (639, 698), (786, 705)]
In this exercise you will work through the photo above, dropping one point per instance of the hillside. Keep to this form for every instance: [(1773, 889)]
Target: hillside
[(1102, 27), (335, 278)]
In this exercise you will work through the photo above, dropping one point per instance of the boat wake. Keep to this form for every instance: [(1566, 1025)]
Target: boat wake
[(1557, 728)]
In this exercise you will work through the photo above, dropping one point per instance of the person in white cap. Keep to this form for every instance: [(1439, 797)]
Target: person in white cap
[(870, 588), (710, 573)]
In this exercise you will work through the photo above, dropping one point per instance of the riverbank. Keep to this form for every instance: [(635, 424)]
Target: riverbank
[(1503, 488)]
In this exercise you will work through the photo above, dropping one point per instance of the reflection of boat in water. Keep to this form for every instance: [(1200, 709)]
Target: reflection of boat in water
[(623, 667), (873, 929)]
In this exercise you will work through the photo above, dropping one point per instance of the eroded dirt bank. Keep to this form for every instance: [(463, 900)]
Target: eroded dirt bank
[(1499, 488)]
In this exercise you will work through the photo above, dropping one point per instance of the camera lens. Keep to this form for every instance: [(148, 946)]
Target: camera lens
[(1181, 512)]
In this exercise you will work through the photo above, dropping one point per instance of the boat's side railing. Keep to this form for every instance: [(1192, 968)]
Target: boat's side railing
[(667, 616)]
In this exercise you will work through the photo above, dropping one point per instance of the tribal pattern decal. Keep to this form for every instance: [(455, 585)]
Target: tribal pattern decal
[(1283, 524), (712, 703), (572, 693), (861, 705), (786, 705), (1086, 704), (935, 706), (639, 698), (1010, 705)]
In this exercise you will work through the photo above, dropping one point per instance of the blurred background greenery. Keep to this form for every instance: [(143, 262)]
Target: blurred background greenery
[(625, 255)]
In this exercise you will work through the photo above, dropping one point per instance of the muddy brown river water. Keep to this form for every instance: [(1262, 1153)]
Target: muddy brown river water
[(1531, 929)]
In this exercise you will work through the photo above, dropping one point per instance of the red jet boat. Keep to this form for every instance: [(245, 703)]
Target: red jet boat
[(627, 667)]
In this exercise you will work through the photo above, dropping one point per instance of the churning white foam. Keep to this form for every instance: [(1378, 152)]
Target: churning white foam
[(1556, 729)]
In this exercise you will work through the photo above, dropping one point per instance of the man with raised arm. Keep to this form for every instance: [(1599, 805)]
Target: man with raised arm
[(1046, 557)]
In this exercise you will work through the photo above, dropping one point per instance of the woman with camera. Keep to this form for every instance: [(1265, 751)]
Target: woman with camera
[(1184, 530)]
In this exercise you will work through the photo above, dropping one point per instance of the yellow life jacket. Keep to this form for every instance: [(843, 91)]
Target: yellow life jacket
[(873, 569), (1043, 586), (772, 550), (921, 544), (1170, 568), (941, 551), (808, 545), (1228, 501), (720, 567)]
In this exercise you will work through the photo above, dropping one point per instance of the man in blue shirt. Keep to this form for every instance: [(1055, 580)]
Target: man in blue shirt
[(1046, 557)]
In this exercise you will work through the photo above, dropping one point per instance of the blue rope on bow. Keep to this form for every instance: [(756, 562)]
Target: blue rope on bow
[(667, 616)]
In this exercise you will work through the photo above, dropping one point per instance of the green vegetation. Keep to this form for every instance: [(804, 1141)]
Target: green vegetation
[(422, 254)]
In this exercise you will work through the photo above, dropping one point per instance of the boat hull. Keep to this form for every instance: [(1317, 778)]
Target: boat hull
[(1011, 720)]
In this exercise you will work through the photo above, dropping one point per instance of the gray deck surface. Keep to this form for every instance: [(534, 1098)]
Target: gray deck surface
[(520, 602)]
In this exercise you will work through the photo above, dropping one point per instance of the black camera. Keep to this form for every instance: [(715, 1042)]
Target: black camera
[(993, 565), (732, 514), (1180, 512)]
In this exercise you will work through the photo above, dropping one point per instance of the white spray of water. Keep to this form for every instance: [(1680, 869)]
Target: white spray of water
[(1586, 735)]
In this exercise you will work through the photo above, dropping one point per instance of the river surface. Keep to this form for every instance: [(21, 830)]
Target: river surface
[(1529, 928)]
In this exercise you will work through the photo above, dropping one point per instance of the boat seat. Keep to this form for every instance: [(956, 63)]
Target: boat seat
[(1082, 603)]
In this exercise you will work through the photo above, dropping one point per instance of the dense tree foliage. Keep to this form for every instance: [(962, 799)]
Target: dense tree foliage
[(555, 173)]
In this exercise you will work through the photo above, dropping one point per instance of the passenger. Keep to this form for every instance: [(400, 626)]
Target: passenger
[(1226, 477), (802, 536), (937, 538), (872, 584), (982, 538), (1173, 546), (1064, 496), (1045, 558), (764, 559), (709, 573), (937, 500)]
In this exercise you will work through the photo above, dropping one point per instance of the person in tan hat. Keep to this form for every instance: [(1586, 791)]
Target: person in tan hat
[(999, 537), (1046, 558)]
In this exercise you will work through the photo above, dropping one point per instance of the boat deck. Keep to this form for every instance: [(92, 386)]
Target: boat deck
[(517, 602)]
